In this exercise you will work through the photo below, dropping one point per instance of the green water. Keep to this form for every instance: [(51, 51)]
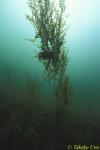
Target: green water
[(17, 57), (82, 40)]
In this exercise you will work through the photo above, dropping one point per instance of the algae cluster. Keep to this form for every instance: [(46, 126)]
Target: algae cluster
[(48, 20)]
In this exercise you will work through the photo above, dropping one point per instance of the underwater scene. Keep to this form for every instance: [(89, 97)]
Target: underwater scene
[(49, 75)]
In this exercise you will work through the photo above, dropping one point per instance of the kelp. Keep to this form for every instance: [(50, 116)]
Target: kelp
[(49, 22), (55, 69), (63, 93), (49, 25)]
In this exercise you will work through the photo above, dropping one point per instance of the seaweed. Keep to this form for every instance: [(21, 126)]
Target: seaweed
[(49, 25)]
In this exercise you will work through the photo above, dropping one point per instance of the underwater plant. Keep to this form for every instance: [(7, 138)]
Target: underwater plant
[(63, 93), (48, 20), (56, 71)]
